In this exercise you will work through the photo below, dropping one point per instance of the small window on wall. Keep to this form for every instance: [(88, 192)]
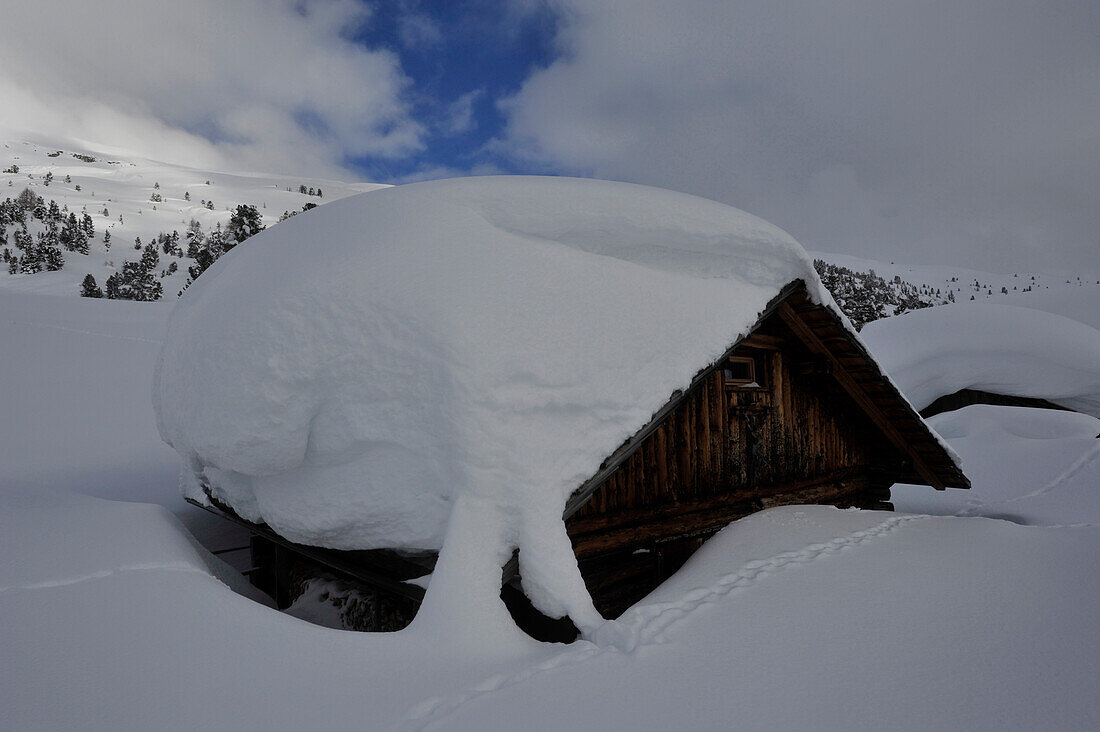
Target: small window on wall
[(740, 371)]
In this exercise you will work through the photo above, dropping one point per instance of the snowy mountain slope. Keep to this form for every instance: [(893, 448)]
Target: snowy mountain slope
[(124, 187), (1075, 295)]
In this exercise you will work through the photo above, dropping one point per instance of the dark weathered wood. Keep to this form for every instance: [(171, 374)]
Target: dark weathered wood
[(822, 426), (367, 567), (600, 534), (764, 342), (795, 323)]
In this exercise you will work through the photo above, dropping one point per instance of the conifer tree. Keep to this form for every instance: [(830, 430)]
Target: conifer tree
[(112, 286), (32, 260), (137, 280), (207, 253), (22, 238), (89, 287), (50, 254), (196, 239), (170, 244), (80, 241), (72, 236), (51, 237), (244, 222), (27, 200)]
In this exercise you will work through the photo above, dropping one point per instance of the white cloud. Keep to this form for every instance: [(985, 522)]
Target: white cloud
[(939, 131), (276, 84), (417, 30), (459, 117)]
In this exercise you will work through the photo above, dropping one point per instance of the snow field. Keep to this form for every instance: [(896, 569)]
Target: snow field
[(794, 617), (1051, 478), (916, 624)]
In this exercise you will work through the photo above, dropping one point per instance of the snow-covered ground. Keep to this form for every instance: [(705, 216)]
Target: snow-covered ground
[(963, 610)]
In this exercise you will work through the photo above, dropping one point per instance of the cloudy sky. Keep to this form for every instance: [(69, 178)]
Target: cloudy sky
[(940, 132)]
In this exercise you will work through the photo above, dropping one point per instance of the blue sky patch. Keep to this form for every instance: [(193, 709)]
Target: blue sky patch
[(462, 59)]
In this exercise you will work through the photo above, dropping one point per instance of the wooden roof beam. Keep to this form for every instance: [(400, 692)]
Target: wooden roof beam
[(840, 373), (763, 342)]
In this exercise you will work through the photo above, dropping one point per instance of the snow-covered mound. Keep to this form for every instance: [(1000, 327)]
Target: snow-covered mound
[(347, 376), (1027, 465), (997, 348)]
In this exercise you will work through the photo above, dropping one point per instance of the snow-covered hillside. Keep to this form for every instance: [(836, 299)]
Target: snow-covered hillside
[(1074, 295), (118, 193)]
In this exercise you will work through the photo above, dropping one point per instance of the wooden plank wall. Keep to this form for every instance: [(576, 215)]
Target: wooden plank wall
[(799, 437)]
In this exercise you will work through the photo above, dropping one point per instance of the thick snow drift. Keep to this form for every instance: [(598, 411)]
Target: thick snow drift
[(998, 348), (1051, 478), (348, 376)]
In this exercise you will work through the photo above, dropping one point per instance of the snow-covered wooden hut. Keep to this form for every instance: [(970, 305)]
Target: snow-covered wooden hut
[(602, 374)]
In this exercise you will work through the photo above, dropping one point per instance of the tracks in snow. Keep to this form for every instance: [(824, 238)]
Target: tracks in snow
[(648, 624), (102, 573), (95, 333), (1078, 465)]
